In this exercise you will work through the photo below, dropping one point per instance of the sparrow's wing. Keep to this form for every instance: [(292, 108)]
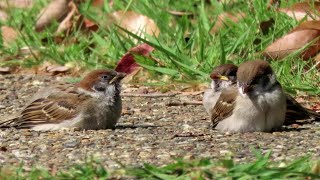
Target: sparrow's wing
[(56, 108), (296, 112), (224, 105)]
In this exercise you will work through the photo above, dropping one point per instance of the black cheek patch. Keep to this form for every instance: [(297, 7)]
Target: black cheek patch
[(99, 88)]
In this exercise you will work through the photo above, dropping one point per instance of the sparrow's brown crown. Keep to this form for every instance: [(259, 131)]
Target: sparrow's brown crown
[(100, 77), (251, 71), (224, 70)]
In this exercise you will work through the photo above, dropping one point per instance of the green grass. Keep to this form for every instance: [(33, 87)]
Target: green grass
[(184, 60), (226, 168)]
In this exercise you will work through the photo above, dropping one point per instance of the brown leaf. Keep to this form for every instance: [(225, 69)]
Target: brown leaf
[(54, 69), (9, 35), (16, 4), (5, 70), (67, 22), (128, 64), (309, 10), (224, 18), (97, 5), (134, 22), (55, 11), (90, 25), (296, 39)]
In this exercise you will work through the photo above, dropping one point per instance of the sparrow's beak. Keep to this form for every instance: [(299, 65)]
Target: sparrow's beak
[(119, 76), (217, 76), (244, 88), (225, 78)]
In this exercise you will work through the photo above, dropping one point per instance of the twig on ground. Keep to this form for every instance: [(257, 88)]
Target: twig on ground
[(189, 134), (148, 95), (184, 103)]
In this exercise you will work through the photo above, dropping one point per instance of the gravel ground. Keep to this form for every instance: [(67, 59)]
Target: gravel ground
[(149, 132)]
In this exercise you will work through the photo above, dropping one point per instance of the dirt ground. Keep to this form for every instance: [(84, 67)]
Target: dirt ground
[(149, 131)]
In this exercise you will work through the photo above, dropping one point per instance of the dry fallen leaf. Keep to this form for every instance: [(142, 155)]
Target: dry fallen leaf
[(224, 18), (67, 22), (56, 69), (16, 4), (55, 11), (135, 23), (9, 35), (296, 39), (98, 5), (309, 10), (5, 70)]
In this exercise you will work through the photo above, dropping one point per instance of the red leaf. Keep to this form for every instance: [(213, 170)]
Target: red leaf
[(128, 64)]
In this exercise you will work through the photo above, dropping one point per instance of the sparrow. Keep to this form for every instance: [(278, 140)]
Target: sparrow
[(222, 77), (256, 103), (297, 114), (93, 103)]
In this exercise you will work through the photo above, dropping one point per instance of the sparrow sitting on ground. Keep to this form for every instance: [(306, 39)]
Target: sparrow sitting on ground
[(257, 103), (222, 77), (93, 103), (225, 74)]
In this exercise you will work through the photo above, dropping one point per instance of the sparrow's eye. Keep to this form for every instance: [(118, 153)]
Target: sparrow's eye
[(255, 81), (105, 77), (232, 73)]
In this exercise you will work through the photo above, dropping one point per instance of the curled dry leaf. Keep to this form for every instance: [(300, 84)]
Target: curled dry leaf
[(3, 16), (16, 4), (49, 68), (5, 70), (309, 10), (9, 35), (296, 39), (67, 22), (55, 69), (56, 10), (134, 22), (98, 6), (224, 18), (128, 64)]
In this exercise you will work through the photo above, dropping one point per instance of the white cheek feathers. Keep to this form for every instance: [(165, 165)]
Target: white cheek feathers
[(241, 90), (110, 90), (212, 84)]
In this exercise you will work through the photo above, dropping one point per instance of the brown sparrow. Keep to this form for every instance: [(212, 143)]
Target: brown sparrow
[(295, 111), (257, 103), (222, 77), (93, 103)]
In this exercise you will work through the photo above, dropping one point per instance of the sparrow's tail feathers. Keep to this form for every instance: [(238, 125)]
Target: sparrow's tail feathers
[(314, 114), (9, 122)]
